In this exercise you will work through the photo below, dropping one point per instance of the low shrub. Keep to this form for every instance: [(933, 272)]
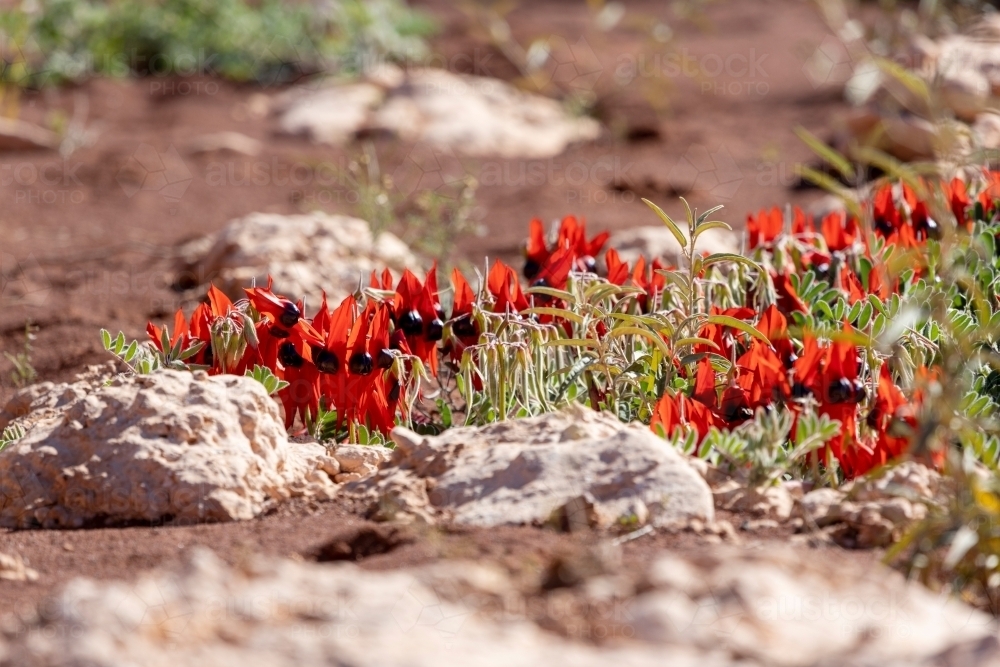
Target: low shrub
[(55, 41)]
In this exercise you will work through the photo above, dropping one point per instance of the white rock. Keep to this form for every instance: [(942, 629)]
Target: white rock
[(332, 115), (13, 568), (232, 142), (909, 479), (656, 241), (470, 115), (987, 130), (167, 446), (822, 506), (280, 613), (19, 135), (524, 471), (305, 254), (781, 607), (361, 458), (774, 502)]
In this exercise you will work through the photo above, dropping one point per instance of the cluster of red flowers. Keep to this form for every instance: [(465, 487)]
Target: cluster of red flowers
[(874, 416), (351, 358)]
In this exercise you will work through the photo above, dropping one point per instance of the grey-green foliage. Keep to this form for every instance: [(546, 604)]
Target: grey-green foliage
[(270, 381), (764, 448), (10, 434), (144, 358), (54, 41)]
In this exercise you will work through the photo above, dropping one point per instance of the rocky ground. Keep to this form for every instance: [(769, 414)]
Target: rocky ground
[(171, 520)]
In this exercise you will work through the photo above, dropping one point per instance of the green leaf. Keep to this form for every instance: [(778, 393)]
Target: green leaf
[(682, 240), (829, 155), (745, 327), (556, 312), (562, 295), (696, 340), (714, 224), (645, 333), (877, 304), (106, 339), (866, 316), (704, 216), (715, 258)]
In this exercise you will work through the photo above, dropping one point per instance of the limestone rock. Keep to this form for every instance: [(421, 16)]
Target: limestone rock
[(168, 446), (780, 607), (656, 241), (13, 568), (334, 114), (230, 142), (470, 115), (19, 135), (362, 460), (872, 512), (909, 479), (987, 130), (305, 254), (280, 613), (729, 607), (772, 502), (526, 471)]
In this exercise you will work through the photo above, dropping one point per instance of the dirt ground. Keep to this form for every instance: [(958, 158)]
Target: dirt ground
[(83, 247)]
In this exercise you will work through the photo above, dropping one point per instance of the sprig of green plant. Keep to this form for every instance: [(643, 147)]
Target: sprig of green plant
[(24, 372), (264, 375), (144, 358), (11, 434)]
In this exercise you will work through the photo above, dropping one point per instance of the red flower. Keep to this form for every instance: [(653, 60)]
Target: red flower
[(679, 410), (572, 237), (651, 283), (505, 289), (789, 300), (958, 200), (840, 231), (762, 376), (463, 327), (765, 227), (419, 315), (617, 269)]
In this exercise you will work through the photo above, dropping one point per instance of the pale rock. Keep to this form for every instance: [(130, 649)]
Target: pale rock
[(965, 91), (656, 241), (987, 130), (794, 488), (774, 502), (13, 568), (305, 254), (363, 459), (909, 479), (525, 471), (345, 477), (171, 445), (331, 115), (469, 115), (231, 142), (781, 607), (872, 511), (822, 506), (908, 137), (19, 135), (282, 613)]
